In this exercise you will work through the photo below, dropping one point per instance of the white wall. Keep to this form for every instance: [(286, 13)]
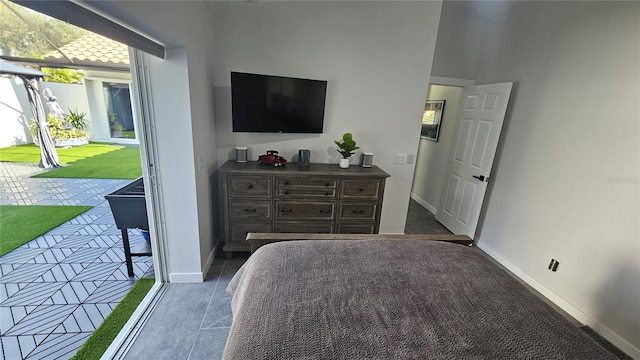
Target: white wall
[(461, 33), (15, 111), (565, 184), (15, 114), (376, 57), (432, 159), (182, 93)]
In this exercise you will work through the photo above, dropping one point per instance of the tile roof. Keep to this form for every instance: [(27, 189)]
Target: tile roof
[(94, 49)]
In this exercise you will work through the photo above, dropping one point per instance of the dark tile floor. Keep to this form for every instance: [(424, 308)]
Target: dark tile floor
[(191, 321), (422, 221)]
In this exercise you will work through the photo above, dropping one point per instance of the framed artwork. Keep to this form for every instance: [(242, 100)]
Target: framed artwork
[(432, 119)]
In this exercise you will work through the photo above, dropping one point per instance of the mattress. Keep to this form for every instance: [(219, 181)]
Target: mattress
[(391, 299)]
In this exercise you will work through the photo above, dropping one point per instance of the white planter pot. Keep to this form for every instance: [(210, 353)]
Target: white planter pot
[(344, 163)]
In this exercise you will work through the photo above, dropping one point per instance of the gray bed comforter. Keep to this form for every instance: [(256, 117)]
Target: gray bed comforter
[(391, 299)]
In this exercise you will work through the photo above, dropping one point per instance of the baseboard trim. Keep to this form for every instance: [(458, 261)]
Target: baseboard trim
[(186, 277), (424, 203), (565, 305), (209, 261)]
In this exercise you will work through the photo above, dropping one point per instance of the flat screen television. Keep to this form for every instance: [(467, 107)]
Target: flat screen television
[(277, 104)]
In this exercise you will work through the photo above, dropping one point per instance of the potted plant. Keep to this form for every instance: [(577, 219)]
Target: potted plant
[(346, 148)]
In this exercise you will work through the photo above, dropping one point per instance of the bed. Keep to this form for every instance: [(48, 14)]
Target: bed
[(391, 299)]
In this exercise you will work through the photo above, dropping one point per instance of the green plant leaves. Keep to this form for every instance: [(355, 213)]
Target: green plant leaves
[(347, 147)]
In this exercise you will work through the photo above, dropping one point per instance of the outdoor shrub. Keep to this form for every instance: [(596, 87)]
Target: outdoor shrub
[(58, 129), (76, 119)]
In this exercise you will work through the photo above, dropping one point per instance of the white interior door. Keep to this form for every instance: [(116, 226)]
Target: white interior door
[(478, 129)]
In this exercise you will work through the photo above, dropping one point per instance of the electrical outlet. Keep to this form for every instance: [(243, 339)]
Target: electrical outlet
[(553, 265), (401, 159)]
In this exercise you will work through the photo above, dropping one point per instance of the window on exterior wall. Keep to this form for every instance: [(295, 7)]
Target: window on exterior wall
[(118, 106)]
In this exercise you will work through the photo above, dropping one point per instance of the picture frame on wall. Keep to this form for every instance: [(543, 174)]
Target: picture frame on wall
[(432, 119)]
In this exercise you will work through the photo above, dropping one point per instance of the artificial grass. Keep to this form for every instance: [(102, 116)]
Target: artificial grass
[(30, 153), (123, 163), (91, 161), (22, 223), (100, 340)]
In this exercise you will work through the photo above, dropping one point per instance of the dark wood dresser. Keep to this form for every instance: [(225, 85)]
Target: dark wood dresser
[(320, 198)]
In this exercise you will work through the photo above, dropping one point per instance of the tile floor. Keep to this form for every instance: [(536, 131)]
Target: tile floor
[(422, 221), (57, 289), (191, 321)]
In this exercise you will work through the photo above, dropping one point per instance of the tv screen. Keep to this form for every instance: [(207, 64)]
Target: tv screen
[(276, 104)]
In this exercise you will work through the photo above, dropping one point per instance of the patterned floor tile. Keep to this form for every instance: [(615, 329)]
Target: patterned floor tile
[(140, 270), (56, 289), (75, 292), (26, 273), (43, 320), (45, 241), (21, 255), (10, 348), (53, 256), (96, 271), (113, 255), (104, 241), (32, 294), (74, 241), (85, 318), (67, 229), (11, 315), (61, 273), (95, 229), (59, 346), (84, 255), (111, 291)]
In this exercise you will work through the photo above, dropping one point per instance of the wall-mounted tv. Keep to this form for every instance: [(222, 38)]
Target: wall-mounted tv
[(277, 104)]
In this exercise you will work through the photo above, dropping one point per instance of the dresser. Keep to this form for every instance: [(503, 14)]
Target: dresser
[(320, 198)]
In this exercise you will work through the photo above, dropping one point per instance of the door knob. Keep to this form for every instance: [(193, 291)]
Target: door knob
[(479, 177)]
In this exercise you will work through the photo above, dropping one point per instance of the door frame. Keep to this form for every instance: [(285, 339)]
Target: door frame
[(461, 83), (143, 116)]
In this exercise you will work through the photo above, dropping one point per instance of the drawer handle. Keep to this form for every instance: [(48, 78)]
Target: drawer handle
[(361, 189), (326, 193), (358, 212), (325, 211), (250, 210), (286, 192), (328, 184), (250, 186), (286, 183), (286, 210)]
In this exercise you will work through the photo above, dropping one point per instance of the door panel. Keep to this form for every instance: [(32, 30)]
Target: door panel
[(478, 131)]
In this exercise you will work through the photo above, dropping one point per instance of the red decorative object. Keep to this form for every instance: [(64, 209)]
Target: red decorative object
[(272, 158)]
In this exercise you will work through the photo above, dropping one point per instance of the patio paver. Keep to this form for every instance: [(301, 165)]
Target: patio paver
[(58, 288)]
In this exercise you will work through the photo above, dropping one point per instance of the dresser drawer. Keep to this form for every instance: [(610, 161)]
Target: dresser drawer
[(249, 186), (250, 210), (358, 211), (238, 231), (329, 183), (356, 229), (322, 228), (305, 210), (305, 192), (361, 189)]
